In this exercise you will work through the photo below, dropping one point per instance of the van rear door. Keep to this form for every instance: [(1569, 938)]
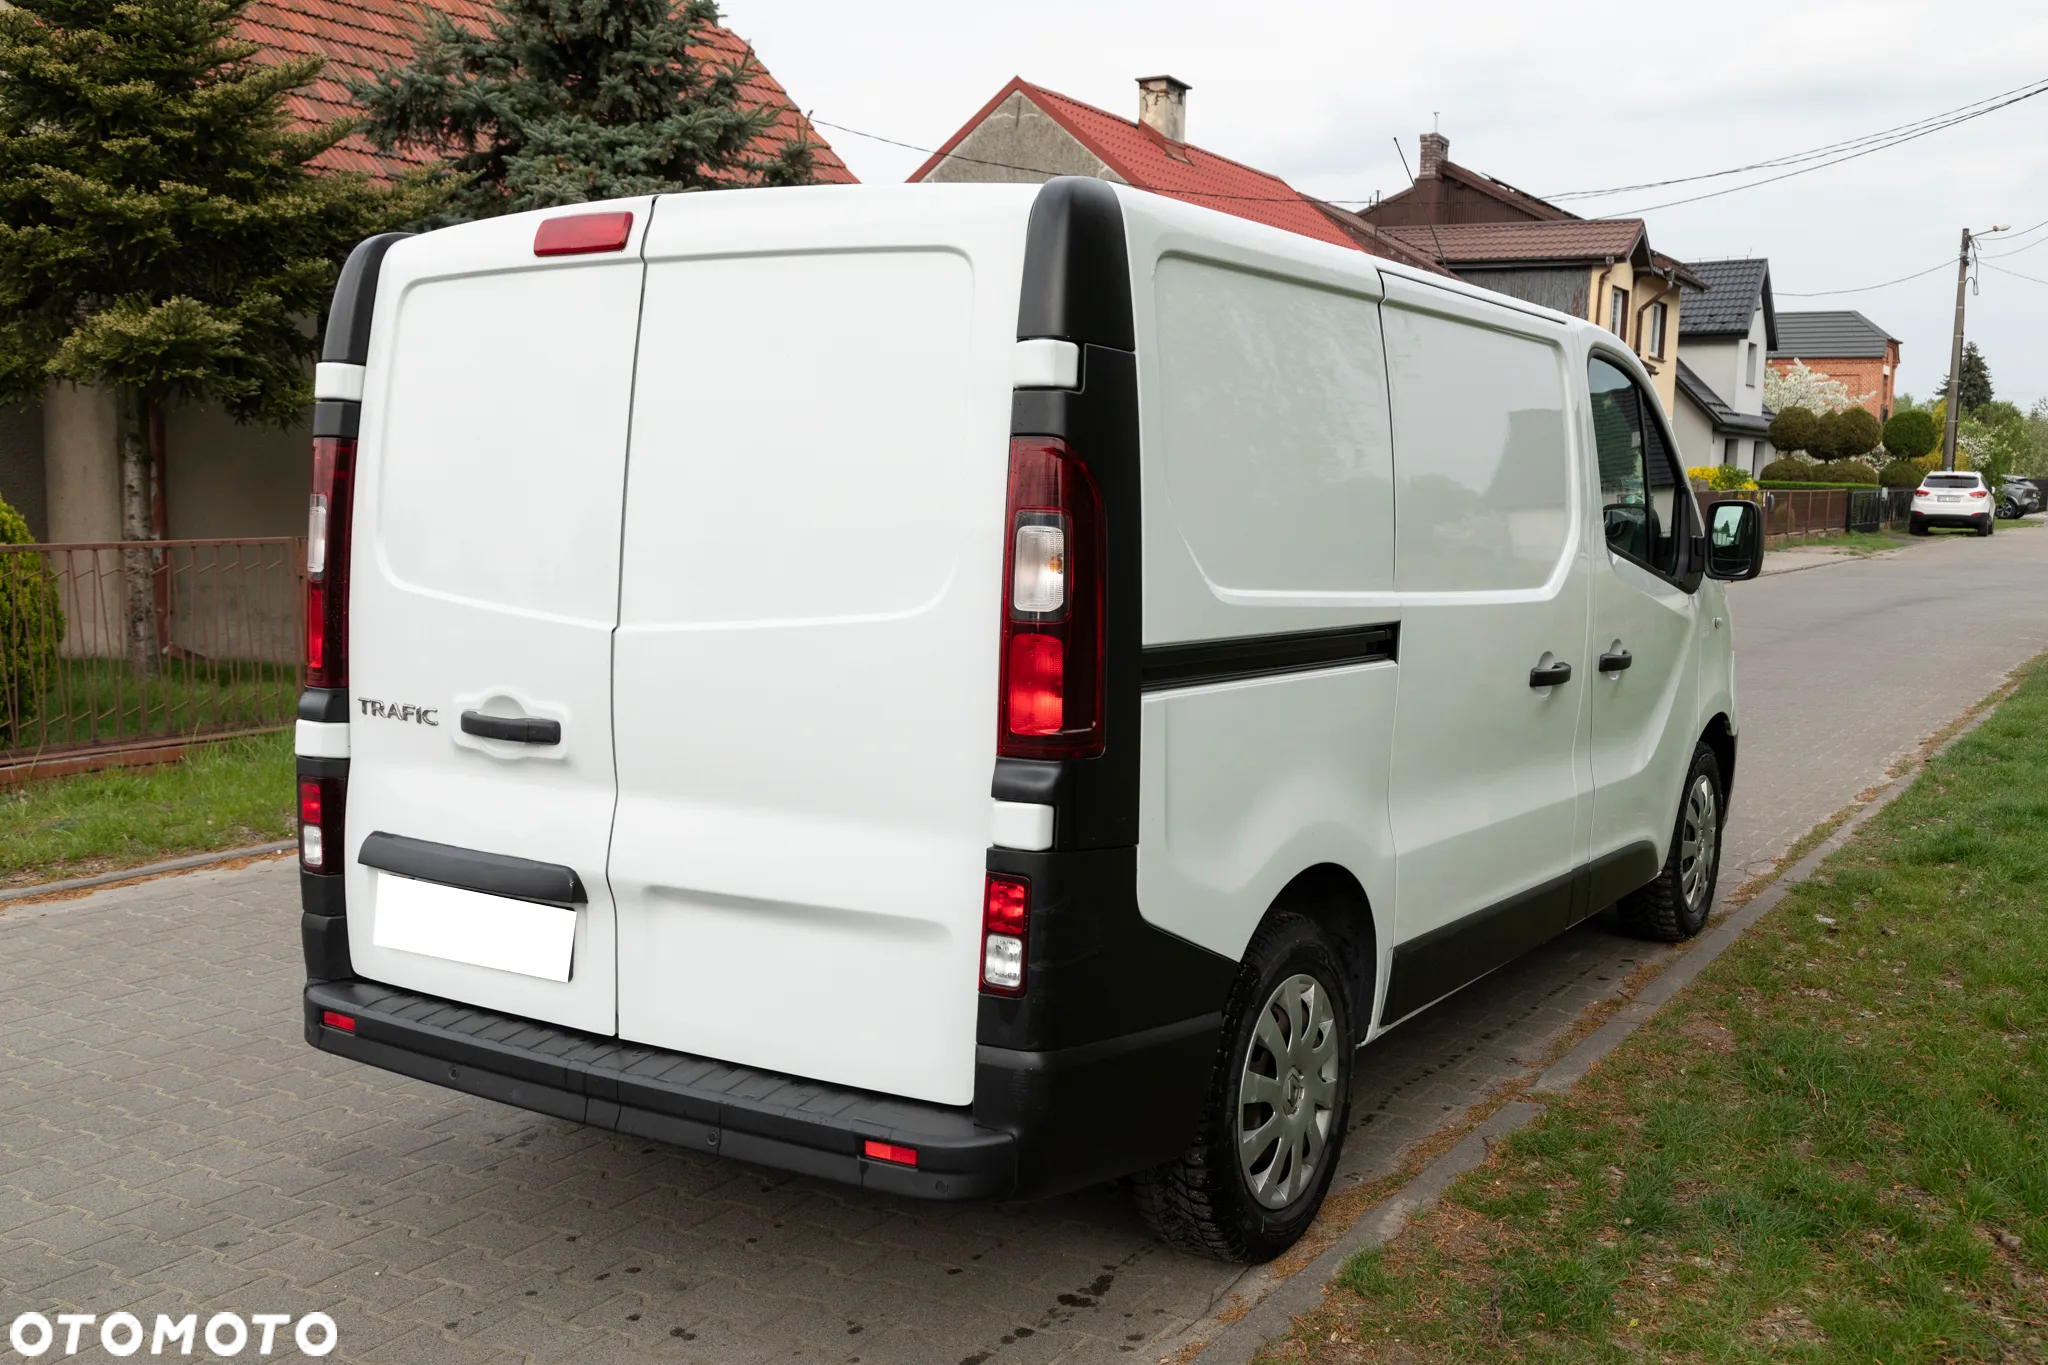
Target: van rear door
[(807, 644), (484, 583)]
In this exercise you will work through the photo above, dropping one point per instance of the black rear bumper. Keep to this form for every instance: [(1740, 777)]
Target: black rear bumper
[(686, 1101), (1051, 1121)]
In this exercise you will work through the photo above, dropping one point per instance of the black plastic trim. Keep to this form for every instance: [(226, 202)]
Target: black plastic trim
[(324, 895), (324, 705), (757, 1116), (1077, 273), (513, 729), (325, 941), (494, 874), (322, 767), (337, 417), (355, 294), (1259, 656), (1432, 965)]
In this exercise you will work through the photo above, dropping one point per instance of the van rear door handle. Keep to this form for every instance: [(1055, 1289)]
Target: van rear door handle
[(1551, 676), (518, 729), (1616, 662)]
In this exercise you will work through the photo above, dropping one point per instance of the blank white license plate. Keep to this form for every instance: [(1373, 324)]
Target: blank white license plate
[(468, 926), (1948, 497)]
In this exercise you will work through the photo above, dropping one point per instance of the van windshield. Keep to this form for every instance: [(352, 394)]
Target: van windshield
[(1951, 481)]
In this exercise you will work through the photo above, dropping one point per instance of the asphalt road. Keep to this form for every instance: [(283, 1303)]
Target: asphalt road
[(169, 1144)]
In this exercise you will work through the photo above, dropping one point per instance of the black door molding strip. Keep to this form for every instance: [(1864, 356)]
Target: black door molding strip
[(1200, 662)]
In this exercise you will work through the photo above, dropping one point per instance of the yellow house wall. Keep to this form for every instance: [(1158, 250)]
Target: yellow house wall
[(1601, 281)]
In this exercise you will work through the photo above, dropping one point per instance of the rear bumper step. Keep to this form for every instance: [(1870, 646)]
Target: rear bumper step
[(692, 1102)]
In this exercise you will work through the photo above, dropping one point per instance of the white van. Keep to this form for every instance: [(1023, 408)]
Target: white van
[(975, 690)]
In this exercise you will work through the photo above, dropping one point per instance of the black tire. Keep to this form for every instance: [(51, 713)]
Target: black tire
[(1204, 1202), (1664, 909), (1915, 527), (1990, 525)]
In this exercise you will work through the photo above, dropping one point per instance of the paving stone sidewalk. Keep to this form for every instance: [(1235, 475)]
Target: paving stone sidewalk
[(169, 1144)]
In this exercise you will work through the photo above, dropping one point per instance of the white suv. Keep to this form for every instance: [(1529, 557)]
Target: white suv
[(1952, 497)]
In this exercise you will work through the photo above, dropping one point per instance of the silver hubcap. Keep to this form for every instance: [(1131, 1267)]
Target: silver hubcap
[(1699, 841), (1287, 1097)]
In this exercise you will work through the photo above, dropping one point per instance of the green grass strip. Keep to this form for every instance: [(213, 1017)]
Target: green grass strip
[(1832, 1148), (228, 794)]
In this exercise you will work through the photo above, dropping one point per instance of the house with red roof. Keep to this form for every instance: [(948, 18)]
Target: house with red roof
[(58, 463), (1028, 134)]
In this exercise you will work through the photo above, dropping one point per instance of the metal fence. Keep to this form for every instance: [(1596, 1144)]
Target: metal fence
[(108, 646), (1794, 513), (1879, 509)]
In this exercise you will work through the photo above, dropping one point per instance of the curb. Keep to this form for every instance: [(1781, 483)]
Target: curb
[(147, 870), (1240, 1342)]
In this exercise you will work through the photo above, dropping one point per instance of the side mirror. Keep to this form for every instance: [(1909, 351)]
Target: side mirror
[(1735, 541)]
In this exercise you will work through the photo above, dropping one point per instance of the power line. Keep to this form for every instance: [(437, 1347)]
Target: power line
[(2014, 273), (1812, 153), (1861, 288), (1836, 161)]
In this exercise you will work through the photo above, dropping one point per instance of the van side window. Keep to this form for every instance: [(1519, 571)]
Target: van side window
[(1481, 464), (1640, 501)]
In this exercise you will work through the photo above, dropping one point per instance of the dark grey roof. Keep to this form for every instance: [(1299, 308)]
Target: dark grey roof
[(1735, 290), (1719, 413), (1841, 334)]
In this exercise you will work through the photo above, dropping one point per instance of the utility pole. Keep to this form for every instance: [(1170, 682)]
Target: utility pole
[(1954, 408)]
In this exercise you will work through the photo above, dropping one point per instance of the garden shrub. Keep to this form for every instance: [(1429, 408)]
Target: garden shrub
[(1846, 471), (1911, 434), (1901, 474), (1789, 469), (1722, 478), (31, 626), (1794, 429), (1853, 431)]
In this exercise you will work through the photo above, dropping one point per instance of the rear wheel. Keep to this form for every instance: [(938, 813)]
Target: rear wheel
[(1915, 526), (1676, 905), (1271, 1130), (1990, 525)]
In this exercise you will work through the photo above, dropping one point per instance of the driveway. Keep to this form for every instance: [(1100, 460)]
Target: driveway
[(169, 1144)]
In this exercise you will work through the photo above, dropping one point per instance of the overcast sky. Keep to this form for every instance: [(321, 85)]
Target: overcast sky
[(1316, 91)]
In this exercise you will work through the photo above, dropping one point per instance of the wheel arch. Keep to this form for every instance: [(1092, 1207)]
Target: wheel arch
[(1332, 898), (1720, 737)]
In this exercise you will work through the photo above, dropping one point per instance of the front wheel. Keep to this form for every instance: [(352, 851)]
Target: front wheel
[(1270, 1133), (1988, 527), (1675, 906)]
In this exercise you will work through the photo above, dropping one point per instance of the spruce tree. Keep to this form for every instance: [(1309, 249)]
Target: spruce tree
[(162, 229), (564, 101), (1976, 379)]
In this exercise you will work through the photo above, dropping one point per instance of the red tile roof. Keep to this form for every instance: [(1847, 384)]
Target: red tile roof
[(1180, 170), (1378, 241), (363, 37), (1568, 240)]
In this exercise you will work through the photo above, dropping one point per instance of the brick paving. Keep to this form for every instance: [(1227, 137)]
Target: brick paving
[(169, 1144)]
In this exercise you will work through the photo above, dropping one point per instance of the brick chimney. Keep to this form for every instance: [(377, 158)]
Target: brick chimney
[(1163, 106), (1436, 150)]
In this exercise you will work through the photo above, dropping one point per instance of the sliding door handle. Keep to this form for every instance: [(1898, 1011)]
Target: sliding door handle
[(1550, 676), (1616, 661), (517, 729)]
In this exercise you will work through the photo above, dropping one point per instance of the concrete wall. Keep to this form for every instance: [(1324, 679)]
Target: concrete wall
[(227, 480), (1024, 144)]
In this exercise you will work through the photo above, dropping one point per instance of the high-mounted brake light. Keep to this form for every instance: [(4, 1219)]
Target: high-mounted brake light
[(321, 802), (1050, 704), (1005, 934), (327, 538), (583, 233)]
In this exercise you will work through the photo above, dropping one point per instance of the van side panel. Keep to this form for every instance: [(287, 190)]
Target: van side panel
[(1271, 627), (806, 654)]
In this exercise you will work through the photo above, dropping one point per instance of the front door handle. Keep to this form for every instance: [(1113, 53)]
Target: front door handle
[(1616, 661), (518, 729), (1551, 676)]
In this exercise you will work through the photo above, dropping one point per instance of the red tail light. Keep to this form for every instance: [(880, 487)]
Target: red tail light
[(327, 537), (1005, 934), (890, 1152), (321, 802), (1979, 493), (1919, 492), (583, 233), (1051, 691)]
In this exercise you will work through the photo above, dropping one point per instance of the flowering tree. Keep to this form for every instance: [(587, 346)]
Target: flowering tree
[(1800, 387)]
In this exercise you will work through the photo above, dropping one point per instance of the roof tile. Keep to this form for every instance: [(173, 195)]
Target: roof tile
[(1831, 334), (367, 36), (1728, 304), (1570, 239)]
